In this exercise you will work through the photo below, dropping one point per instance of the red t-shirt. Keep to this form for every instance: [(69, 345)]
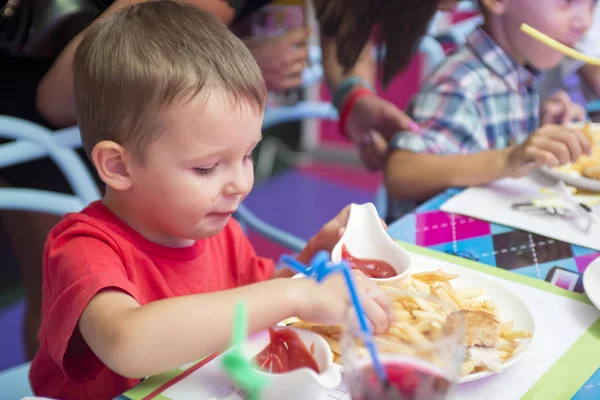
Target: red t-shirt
[(94, 250)]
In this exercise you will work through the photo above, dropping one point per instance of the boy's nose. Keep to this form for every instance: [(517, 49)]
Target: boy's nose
[(240, 184)]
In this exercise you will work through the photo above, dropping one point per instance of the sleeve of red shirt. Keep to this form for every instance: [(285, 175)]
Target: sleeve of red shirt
[(251, 267), (78, 263)]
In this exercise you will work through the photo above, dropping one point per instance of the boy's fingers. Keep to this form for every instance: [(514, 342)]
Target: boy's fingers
[(557, 147), (586, 145), (564, 102), (541, 157)]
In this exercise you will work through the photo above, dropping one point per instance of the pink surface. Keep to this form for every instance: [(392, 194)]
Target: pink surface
[(584, 261), (438, 227)]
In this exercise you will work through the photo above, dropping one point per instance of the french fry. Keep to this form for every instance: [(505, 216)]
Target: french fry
[(508, 345), (326, 330), (427, 315), (467, 367), (507, 326), (423, 304), (433, 276), (511, 335), (402, 315), (337, 358), (334, 345), (490, 306), (504, 355), (420, 286), (469, 293), (414, 336)]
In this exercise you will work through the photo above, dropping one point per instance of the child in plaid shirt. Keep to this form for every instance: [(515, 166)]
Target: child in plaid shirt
[(480, 113)]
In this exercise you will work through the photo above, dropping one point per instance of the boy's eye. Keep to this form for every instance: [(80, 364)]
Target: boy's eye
[(248, 157), (204, 171)]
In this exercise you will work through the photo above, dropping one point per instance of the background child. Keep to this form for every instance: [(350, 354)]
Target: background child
[(170, 106), (581, 81), (479, 112)]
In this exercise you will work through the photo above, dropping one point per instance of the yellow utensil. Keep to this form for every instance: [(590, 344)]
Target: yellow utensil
[(556, 45)]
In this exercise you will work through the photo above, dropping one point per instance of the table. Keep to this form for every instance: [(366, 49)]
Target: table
[(497, 246), (502, 247)]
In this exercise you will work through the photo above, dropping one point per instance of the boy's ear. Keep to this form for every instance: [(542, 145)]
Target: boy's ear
[(494, 7), (112, 163)]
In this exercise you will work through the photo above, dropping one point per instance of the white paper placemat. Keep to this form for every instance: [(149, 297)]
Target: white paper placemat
[(493, 203)]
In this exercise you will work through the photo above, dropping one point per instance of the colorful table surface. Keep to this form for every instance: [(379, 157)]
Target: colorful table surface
[(499, 246)]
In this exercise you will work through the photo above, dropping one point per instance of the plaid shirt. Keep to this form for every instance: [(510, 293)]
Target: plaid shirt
[(478, 99)]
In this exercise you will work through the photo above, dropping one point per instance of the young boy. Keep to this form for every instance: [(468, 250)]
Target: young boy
[(170, 106), (479, 112), (580, 80)]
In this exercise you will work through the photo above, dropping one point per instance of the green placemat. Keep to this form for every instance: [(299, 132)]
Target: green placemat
[(561, 381)]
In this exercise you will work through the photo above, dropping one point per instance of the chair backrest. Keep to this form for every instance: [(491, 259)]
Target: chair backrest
[(32, 141)]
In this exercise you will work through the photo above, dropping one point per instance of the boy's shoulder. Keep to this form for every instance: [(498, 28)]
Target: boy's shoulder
[(91, 222), (478, 68), (461, 71)]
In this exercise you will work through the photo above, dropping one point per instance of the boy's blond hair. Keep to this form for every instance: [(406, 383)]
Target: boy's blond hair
[(134, 63)]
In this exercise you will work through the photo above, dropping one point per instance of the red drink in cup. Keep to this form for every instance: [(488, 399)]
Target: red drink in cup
[(420, 364), (408, 379)]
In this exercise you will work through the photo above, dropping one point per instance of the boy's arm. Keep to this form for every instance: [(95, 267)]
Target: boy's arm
[(137, 341), (417, 176), (424, 164), (54, 98)]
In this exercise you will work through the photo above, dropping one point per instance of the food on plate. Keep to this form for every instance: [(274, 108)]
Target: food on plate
[(587, 166), (490, 341), (482, 337), (592, 172), (591, 133), (285, 352), (372, 268)]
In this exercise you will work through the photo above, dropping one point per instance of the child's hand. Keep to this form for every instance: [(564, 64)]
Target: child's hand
[(560, 109), (329, 302), (551, 146), (332, 231)]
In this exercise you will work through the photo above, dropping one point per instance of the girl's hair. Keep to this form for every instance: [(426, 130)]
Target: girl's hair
[(399, 23)]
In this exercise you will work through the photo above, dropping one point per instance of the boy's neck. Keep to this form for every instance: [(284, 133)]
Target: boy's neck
[(494, 28), (115, 201)]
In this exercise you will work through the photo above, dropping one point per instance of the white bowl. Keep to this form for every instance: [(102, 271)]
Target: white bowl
[(366, 238), (303, 383)]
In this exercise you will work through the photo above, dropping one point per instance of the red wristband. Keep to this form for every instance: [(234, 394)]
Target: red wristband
[(349, 105)]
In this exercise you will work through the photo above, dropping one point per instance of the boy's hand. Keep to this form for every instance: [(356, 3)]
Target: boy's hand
[(329, 302), (551, 146), (560, 109)]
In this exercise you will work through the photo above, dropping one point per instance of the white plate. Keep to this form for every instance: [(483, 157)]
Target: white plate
[(511, 307), (591, 282), (573, 179)]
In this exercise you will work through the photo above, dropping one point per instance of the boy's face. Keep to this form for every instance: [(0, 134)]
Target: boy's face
[(564, 20), (196, 174)]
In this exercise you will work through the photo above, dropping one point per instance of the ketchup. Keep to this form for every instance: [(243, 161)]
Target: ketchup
[(286, 352), (372, 268), (407, 382)]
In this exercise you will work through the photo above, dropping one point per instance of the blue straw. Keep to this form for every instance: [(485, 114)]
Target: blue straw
[(319, 268), (364, 326)]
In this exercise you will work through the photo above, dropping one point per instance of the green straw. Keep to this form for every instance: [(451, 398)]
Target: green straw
[(240, 370)]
